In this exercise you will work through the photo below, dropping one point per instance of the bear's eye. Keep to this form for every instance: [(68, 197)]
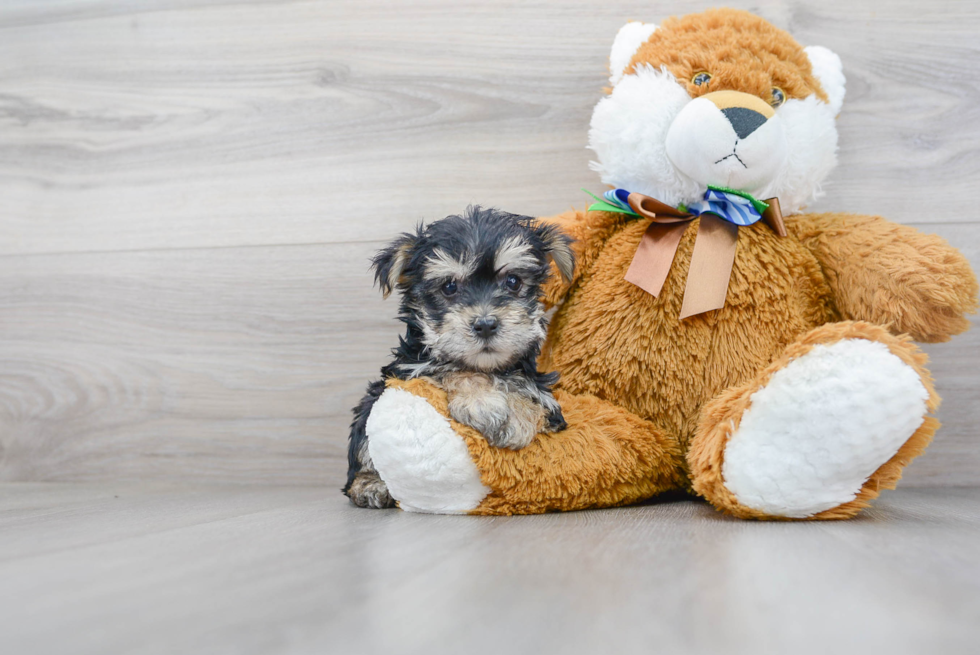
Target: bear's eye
[(700, 79), (778, 97), (449, 288)]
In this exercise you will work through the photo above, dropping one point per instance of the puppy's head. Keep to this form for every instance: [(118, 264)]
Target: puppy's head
[(471, 284)]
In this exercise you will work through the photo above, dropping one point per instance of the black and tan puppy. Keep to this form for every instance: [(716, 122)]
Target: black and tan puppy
[(471, 302)]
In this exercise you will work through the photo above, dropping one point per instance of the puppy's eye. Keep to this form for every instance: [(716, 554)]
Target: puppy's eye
[(449, 288), (700, 79), (778, 97), (512, 282)]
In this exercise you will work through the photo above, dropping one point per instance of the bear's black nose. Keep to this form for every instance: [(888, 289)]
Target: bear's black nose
[(744, 121), (485, 326)]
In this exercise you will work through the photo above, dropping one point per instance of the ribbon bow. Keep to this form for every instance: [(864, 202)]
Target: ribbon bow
[(722, 211)]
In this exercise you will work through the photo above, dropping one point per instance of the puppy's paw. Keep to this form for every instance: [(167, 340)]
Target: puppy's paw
[(506, 419), (369, 490), (474, 401), (514, 434), (525, 418), (493, 416), (554, 421)]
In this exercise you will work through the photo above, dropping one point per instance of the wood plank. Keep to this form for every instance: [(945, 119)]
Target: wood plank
[(230, 364), (191, 124), (232, 571), (44, 518)]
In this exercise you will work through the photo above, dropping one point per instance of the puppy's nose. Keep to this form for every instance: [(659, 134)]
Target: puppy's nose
[(485, 326), (745, 112)]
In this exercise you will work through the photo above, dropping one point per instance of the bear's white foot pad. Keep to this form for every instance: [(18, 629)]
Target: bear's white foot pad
[(425, 464), (821, 426)]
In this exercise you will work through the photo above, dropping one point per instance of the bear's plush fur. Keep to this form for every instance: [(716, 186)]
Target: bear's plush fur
[(802, 397)]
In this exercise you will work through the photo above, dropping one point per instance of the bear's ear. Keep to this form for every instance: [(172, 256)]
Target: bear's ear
[(828, 69), (628, 40), (389, 263)]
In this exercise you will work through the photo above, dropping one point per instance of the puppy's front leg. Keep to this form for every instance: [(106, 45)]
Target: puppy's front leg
[(474, 400), (537, 389), (364, 487), (505, 420), (527, 418), (554, 420)]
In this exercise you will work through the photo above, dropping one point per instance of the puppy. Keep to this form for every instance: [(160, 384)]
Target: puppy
[(471, 303)]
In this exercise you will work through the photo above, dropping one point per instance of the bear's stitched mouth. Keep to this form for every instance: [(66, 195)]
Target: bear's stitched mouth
[(733, 154)]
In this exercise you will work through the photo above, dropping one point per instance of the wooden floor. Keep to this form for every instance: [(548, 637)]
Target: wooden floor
[(123, 568)]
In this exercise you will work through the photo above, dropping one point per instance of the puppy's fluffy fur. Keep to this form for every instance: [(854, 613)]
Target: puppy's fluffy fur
[(471, 303)]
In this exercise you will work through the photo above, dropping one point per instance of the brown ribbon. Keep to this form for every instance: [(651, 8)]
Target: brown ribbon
[(711, 260)]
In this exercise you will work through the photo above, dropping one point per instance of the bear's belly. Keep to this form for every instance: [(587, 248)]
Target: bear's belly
[(615, 341)]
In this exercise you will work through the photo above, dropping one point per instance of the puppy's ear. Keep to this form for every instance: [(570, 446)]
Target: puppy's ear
[(389, 263), (558, 245)]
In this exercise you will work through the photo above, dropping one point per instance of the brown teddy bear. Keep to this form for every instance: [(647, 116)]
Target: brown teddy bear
[(706, 342)]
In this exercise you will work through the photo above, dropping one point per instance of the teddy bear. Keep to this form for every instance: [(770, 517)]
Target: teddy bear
[(714, 338)]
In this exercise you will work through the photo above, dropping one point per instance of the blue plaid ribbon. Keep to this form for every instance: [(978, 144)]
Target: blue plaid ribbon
[(735, 207)]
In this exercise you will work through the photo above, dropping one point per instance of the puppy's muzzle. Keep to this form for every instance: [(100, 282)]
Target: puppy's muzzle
[(485, 327)]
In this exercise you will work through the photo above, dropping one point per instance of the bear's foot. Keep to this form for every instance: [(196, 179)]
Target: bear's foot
[(425, 464), (820, 432)]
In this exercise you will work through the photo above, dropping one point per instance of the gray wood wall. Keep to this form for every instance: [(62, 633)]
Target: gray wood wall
[(190, 191)]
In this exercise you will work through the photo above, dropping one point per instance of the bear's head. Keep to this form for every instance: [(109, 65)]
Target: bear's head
[(721, 98)]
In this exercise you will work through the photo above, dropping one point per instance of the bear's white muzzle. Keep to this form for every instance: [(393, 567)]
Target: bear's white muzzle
[(727, 138)]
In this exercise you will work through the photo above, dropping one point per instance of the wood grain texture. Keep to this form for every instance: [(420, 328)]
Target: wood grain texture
[(190, 124), (149, 569), (236, 364), (189, 192)]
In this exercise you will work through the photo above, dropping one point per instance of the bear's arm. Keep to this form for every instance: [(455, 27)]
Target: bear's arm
[(891, 274), (588, 230)]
